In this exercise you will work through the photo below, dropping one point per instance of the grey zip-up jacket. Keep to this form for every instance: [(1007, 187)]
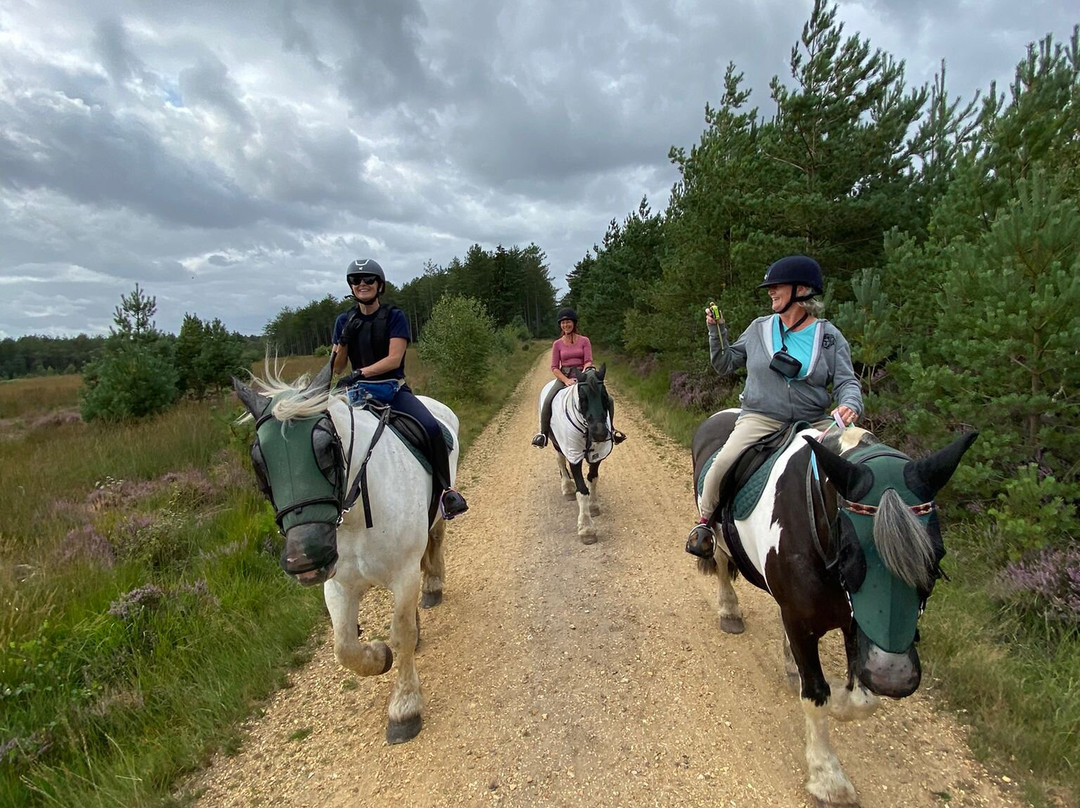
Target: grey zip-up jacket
[(770, 394)]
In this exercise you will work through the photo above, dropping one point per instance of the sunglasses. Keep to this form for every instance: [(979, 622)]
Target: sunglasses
[(370, 280)]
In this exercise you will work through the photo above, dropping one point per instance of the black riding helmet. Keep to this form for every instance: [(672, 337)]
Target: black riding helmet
[(796, 271), (366, 266), (566, 314)]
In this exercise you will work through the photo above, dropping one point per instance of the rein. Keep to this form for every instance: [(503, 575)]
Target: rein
[(359, 488)]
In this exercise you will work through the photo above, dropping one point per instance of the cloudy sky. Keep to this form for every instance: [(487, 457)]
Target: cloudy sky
[(232, 157)]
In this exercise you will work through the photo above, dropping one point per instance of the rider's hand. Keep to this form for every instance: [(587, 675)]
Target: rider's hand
[(709, 319), (847, 414)]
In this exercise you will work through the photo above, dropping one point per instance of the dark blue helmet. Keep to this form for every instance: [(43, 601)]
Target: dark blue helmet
[(566, 314), (797, 270)]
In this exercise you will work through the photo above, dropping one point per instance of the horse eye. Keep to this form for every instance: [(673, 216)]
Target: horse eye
[(259, 464), (325, 444)]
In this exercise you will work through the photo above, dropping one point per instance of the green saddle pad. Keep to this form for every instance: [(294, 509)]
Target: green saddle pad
[(448, 437)]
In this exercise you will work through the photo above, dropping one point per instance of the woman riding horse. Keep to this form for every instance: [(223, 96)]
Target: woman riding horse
[(373, 338), (571, 354), (791, 358)]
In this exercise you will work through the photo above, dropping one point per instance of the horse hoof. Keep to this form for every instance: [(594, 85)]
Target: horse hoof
[(732, 625), (588, 538), (401, 731), (429, 600), (389, 657), (594, 510), (570, 497)]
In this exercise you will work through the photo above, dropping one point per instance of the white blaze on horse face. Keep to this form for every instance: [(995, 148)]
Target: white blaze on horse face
[(760, 534)]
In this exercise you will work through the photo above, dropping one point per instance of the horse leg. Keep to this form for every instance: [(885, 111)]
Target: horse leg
[(826, 780), (592, 479), (790, 668), (585, 530), (731, 619), (364, 659), (433, 567), (406, 700), (851, 701), (566, 480)]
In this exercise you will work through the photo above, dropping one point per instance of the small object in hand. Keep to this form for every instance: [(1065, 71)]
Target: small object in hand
[(716, 312)]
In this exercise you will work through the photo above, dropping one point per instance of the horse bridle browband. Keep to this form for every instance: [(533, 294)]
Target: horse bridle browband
[(871, 510)]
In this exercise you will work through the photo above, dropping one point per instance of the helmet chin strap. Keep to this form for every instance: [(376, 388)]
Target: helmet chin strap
[(796, 298)]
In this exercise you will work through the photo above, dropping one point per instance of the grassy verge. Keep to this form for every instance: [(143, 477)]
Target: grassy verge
[(145, 615), (1016, 685)]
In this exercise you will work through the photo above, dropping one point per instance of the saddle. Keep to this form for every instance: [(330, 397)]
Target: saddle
[(375, 397), (741, 488)]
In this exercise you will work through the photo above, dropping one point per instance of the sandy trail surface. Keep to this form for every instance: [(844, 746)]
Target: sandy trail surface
[(560, 674)]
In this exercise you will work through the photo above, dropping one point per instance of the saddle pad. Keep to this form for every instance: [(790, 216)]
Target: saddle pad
[(749, 494), (448, 438)]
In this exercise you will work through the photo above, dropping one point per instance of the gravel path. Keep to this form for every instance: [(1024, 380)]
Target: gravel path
[(558, 674)]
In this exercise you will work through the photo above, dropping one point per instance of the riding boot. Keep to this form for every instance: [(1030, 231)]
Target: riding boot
[(701, 542), (452, 504), (539, 440)]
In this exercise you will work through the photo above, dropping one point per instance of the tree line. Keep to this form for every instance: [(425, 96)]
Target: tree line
[(513, 286)]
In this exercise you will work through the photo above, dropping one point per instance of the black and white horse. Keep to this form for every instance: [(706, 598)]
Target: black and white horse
[(314, 456), (581, 433), (844, 535)]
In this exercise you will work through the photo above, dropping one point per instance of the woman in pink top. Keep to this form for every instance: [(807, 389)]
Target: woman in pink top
[(571, 353)]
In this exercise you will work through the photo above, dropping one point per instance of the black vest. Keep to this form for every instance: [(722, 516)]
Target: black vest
[(368, 341)]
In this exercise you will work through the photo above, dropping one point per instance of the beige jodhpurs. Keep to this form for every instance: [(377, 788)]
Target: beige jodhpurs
[(749, 429)]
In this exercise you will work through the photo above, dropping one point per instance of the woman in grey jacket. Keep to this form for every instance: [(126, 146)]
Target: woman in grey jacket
[(792, 359)]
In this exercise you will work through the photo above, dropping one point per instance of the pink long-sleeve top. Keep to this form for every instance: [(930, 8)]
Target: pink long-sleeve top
[(575, 356)]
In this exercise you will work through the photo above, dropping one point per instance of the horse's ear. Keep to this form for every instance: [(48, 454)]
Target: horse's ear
[(256, 403), (321, 383), (928, 475), (603, 369), (850, 479)]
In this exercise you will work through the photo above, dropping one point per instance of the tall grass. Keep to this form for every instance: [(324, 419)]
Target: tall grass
[(1015, 684), (145, 615), (38, 395)]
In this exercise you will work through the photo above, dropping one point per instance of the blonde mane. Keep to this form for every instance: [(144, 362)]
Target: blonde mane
[(296, 405)]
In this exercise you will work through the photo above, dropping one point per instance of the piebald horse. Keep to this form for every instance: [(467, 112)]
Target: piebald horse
[(843, 532), (581, 432), (314, 455)]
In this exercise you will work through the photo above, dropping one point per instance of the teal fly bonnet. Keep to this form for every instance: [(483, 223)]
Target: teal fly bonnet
[(886, 608), (300, 467)]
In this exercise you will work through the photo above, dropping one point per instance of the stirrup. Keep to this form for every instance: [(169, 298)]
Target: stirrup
[(539, 440), (701, 542)]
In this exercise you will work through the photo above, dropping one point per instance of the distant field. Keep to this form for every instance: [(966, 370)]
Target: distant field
[(38, 395)]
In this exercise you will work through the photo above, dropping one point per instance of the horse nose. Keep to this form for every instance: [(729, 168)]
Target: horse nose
[(310, 553), (886, 673)]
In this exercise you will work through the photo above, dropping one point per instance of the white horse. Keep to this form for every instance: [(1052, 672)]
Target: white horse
[(580, 431), (314, 455)]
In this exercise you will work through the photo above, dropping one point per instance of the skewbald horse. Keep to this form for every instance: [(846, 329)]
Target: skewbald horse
[(581, 432), (844, 535)]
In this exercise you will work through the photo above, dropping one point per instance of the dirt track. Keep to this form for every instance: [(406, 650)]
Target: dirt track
[(558, 674)]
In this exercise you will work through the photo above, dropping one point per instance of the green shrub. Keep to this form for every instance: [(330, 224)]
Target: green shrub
[(457, 343)]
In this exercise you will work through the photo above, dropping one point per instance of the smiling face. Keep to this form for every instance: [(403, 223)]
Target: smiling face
[(365, 288), (566, 326)]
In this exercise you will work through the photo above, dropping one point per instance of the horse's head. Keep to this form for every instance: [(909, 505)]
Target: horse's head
[(300, 469), (593, 402), (887, 547)]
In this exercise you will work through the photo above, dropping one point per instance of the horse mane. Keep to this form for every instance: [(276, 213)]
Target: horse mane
[(297, 401)]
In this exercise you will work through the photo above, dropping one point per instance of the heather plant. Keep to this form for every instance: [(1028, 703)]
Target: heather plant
[(1044, 587)]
